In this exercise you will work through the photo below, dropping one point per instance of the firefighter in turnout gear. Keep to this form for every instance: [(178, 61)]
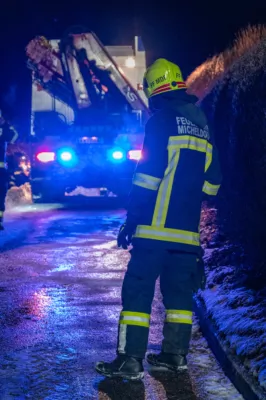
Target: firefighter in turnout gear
[(8, 134), (179, 165)]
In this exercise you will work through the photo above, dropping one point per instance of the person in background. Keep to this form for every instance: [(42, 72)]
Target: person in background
[(8, 134), (179, 163)]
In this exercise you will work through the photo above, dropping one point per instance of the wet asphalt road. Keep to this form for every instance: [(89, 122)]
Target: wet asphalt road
[(59, 302)]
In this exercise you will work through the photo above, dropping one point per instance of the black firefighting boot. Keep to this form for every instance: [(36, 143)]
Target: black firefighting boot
[(123, 366), (171, 362), (175, 343)]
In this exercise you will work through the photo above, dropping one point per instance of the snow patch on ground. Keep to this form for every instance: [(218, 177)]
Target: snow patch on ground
[(18, 196), (90, 192), (242, 325)]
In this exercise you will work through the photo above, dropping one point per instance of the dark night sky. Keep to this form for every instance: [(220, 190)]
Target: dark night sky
[(187, 32)]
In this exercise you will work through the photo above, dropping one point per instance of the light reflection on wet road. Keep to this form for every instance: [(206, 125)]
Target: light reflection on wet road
[(59, 304)]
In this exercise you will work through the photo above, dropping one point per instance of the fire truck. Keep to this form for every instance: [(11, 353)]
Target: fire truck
[(87, 114)]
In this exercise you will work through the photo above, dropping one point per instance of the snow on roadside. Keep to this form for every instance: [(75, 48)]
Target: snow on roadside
[(237, 312), (241, 323)]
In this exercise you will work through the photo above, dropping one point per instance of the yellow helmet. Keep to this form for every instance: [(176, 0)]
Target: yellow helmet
[(161, 77)]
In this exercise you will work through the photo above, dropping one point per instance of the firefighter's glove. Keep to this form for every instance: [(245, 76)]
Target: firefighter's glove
[(125, 234)]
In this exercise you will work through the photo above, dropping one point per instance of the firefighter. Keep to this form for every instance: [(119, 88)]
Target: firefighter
[(8, 134), (179, 163)]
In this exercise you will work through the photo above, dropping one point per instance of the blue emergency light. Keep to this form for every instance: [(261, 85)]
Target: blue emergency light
[(67, 157), (116, 155)]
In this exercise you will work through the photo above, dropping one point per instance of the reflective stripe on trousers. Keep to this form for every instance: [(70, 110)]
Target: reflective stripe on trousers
[(179, 316), (133, 319)]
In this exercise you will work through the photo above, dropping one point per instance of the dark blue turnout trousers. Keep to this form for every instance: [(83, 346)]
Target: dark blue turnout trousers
[(177, 273)]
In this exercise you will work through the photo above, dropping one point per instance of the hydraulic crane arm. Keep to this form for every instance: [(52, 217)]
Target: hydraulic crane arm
[(80, 71), (96, 51)]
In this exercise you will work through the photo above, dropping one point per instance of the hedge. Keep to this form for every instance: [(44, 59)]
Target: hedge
[(232, 90)]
